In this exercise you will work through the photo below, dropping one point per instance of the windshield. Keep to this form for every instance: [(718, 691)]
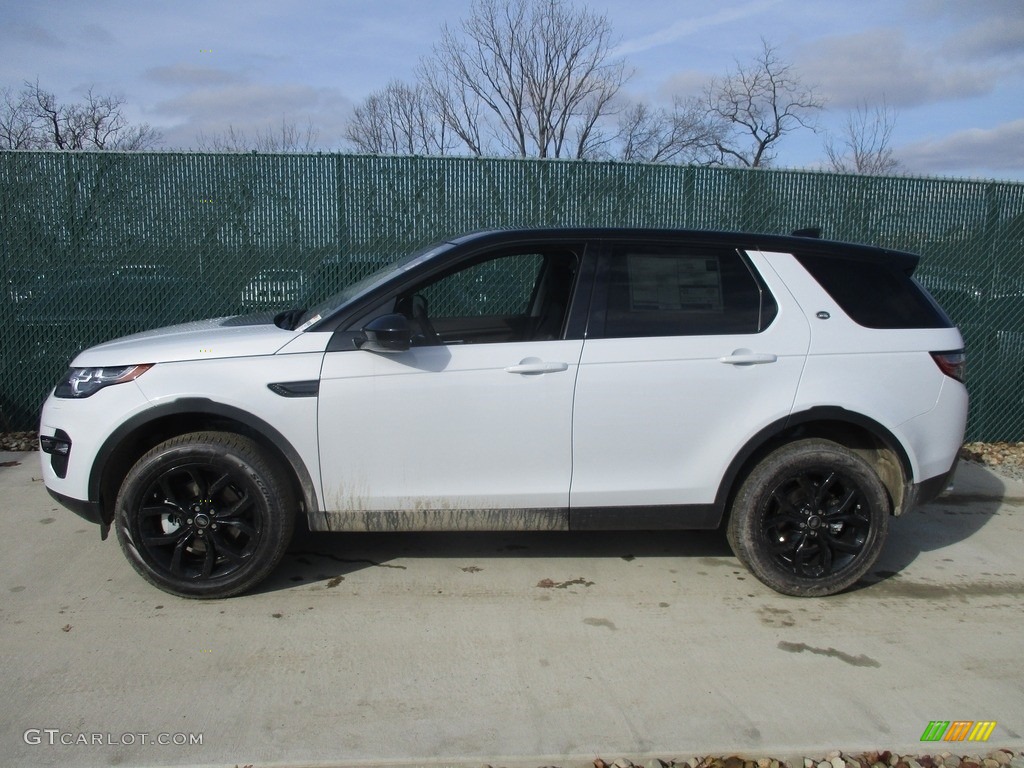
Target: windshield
[(305, 317)]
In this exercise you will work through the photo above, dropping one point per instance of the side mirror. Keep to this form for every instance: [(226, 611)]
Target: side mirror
[(389, 334)]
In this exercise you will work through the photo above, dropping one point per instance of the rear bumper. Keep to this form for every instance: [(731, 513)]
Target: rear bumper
[(922, 493)]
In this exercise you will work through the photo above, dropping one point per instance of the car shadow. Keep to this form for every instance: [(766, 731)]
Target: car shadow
[(316, 557), (951, 518)]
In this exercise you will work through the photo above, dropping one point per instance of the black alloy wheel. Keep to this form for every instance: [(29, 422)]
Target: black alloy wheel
[(814, 523), (205, 515), (810, 519)]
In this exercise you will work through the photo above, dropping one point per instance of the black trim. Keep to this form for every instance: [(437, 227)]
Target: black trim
[(51, 444), (87, 510), (466, 247), (201, 405), (931, 488), (310, 388), (669, 517), (810, 416)]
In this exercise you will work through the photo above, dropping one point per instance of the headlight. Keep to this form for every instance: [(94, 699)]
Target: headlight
[(83, 382)]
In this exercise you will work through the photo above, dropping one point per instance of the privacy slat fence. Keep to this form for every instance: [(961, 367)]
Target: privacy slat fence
[(94, 245)]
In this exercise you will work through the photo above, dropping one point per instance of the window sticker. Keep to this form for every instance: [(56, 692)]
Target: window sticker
[(673, 283)]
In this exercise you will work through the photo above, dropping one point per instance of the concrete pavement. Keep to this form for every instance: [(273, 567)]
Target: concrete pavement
[(506, 649)]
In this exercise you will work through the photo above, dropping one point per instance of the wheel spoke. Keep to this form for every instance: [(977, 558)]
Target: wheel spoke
[(176, 558), (825, 560), (848, 547), (225, 549), (805, 554), (236, 509), (219, 484), (167, 538), (787, 511), (787, 545), (242, 526), (165, 486), (822, 489), (202, 488), (843, 507), (808, 488), (209, 561)]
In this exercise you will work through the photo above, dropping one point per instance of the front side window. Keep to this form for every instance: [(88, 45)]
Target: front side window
[(663, 290), (521, 295), (493, 288)]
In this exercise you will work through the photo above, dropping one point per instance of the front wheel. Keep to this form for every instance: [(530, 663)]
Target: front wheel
[(810, 519), (205, 515)]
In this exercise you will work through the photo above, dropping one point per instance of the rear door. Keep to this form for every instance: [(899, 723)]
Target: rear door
[(689, 352)]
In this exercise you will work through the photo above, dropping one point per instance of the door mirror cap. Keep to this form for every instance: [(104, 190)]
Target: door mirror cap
[(388, 333)]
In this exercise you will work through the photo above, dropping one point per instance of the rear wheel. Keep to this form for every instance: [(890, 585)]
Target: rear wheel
[(810, 519), (205, 515)]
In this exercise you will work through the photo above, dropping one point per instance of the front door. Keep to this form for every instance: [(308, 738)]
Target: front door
[(475, 419)]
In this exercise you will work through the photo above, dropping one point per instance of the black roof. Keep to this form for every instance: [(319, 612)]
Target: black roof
[(746, 240)]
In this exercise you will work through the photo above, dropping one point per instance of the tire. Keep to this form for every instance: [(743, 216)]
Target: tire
[(205, 515), (811, 519)]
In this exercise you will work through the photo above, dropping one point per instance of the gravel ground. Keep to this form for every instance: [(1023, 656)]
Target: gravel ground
[(999, 758), (18, 441), (1005, 458)]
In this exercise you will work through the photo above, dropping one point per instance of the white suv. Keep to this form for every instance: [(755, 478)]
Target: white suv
[(800, 392)]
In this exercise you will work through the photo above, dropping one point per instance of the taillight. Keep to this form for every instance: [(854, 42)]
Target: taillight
[(953, 364)]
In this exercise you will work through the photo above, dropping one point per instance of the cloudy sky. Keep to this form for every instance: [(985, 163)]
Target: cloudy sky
[(953, 70)]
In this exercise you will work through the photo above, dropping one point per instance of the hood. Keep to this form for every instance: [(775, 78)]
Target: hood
[(204, 339)]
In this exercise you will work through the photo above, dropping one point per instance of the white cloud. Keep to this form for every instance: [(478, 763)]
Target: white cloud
[(190, 75), (881, 63), (998, 149), (689, 27), (990, 38), (252, 108), (33, 34)]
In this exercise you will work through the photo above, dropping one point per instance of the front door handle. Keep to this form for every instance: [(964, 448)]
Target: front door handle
[(746, 357), (534, 366)]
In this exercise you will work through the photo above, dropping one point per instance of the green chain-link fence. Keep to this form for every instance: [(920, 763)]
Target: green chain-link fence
[(94, 245)]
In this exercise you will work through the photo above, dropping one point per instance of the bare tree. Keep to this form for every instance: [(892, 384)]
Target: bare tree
[(529, 77), (19, 125), (287, 137), (400, 119), (756, 105), (35, 119), (680, 135), (864, 142)]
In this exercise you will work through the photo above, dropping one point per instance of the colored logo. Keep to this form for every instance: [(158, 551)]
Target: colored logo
[(958, 730)]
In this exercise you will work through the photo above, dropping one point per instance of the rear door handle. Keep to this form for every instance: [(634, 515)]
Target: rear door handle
[(529, 366), (746, 357)]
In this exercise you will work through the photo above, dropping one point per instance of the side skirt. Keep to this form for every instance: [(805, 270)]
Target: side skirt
[(658, 518)]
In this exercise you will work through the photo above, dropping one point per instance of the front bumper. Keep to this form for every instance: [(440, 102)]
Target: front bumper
[(87, 510)]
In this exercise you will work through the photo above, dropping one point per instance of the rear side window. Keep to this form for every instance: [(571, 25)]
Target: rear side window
[(664, 290), (875, 294)]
